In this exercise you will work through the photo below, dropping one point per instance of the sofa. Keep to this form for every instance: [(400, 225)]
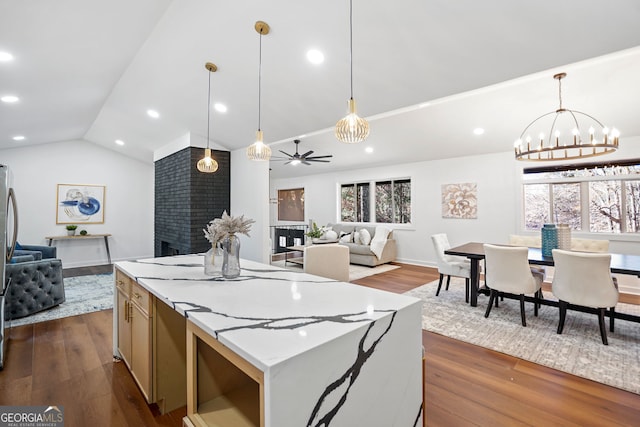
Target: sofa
[(359, 252), (36, 281)]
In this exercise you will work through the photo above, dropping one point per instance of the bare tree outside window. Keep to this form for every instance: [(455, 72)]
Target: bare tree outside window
[(604, 206), (348, 208), (536, 206), (566, 205), (633, 206)]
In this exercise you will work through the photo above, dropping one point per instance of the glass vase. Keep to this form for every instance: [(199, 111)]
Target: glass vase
[(231, 257), (213, 261)]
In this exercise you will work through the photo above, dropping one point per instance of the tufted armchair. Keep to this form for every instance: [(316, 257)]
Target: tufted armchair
[(34, 286)]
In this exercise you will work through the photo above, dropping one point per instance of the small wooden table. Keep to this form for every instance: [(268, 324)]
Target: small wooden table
[(81, 237), (296, 260)]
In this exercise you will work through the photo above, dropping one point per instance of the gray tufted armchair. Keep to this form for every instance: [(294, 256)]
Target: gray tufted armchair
[(35, 286)]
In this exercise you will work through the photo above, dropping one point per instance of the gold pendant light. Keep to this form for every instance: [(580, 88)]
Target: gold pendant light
[(208, 164), (352, 128), (259, 151), (565, 138)]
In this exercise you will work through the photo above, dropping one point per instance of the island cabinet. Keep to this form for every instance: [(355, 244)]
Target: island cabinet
[(134, 330), (277, 348), (151, 341)]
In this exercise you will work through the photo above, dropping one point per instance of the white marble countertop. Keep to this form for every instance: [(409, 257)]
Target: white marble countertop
[(268, 314)]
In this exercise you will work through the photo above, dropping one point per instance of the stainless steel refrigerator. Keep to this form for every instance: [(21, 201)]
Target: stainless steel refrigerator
[(8, 236)]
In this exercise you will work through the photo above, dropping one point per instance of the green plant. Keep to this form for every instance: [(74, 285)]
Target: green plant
[(83, 232), (315, 232), (71, 227)]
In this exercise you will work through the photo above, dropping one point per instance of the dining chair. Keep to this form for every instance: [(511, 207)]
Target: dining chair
[(507, 270), (584, 279), (450, 265)]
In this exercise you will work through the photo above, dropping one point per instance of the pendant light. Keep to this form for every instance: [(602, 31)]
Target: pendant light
[(208, 164), (352, 128), (259, 151)]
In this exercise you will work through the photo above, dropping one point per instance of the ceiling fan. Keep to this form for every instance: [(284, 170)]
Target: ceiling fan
[(305, 158)]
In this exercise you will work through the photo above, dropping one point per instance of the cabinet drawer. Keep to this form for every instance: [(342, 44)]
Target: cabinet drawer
[(123, 282), (140, 297)]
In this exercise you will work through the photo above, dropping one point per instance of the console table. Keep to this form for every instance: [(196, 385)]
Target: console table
[(81, 237)]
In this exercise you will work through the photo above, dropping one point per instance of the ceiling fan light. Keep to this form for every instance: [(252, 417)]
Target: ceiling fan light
[(207, 164), (259, 151), (352, 128)]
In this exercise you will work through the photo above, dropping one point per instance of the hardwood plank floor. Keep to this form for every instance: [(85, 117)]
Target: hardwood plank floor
[(68, 362)]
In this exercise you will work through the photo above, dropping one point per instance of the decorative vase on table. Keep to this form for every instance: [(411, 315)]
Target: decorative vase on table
[(549, 239), (213, 261), (564, 237), (231, 257)]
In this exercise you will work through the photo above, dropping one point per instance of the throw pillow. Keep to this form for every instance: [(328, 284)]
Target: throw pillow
[(365, 237), (330, 235), (325, 230), (356, 238), (345, 237)]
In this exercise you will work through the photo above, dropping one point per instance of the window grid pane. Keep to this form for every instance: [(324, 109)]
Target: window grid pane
[(384, 202), (604, 206), (536, 206), (566, 205), (348, 208), (633, 206)]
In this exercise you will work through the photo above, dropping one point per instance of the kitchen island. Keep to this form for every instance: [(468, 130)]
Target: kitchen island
[(272, 347)]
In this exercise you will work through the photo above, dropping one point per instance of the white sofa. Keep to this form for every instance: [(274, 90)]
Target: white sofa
[(359, 253)]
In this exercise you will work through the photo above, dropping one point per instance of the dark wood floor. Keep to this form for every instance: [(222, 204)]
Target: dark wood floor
[(69, 362)]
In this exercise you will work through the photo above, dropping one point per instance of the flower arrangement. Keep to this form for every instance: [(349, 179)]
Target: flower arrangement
[(219, 228)]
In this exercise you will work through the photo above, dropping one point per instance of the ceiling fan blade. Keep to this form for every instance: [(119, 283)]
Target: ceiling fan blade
[(286, 163), (307, 153), (304, 162), (320, 157), (321, 161), (286, 154)]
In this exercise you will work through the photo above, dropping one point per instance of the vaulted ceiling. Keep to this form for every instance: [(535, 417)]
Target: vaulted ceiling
[(425, 73)]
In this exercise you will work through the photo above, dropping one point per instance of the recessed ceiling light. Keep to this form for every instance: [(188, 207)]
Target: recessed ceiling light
[(18, 138), (9, 99), (5, 57), (478, 131), (315, 56), (119, 142), (369, 149), (220, 108), (153, 113)]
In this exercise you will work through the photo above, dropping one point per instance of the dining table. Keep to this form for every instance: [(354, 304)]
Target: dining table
[(474, 251)]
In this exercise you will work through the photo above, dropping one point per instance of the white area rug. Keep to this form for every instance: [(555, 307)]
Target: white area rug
[(355, 271), (578, 350), (83, 294)]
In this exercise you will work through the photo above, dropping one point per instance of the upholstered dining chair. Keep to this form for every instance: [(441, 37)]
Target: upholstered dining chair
[(327, 260), (507, 271), (450, 265), (584, 279)]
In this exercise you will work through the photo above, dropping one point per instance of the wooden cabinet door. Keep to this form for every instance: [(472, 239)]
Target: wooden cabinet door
[(124, 327), (141, 350)]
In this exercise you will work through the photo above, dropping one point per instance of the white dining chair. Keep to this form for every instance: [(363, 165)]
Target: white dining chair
[(327, 260), (507, 270), (584, 279), (450, 265)]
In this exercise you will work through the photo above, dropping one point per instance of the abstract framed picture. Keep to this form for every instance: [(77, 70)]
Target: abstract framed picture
[(460, 200), (291, 204), (80, 204)]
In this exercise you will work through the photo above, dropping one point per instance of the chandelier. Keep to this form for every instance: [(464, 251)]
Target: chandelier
[(352, 128), (208, 164), (259, 150), (571, 135)]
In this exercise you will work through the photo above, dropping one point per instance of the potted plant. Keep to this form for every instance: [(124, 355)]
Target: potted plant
[(71, 229), (83, 232), (315, 232)]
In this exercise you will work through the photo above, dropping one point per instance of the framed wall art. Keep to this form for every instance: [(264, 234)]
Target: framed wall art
[(460, 200), (291, 204), (80, 204)]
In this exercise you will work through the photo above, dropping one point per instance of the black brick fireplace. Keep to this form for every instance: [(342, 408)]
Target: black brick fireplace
[(186, 200)]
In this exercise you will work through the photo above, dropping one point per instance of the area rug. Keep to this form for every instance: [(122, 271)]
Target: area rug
[(355, 271), (83, 294), (578, 350)]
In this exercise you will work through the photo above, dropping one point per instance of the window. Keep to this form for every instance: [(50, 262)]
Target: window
[(393, 201), (355, 203), (389, 202), (597, 198)]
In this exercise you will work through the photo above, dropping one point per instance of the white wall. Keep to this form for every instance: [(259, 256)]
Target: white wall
[(129, 199), (250, 197), (498, 177)]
